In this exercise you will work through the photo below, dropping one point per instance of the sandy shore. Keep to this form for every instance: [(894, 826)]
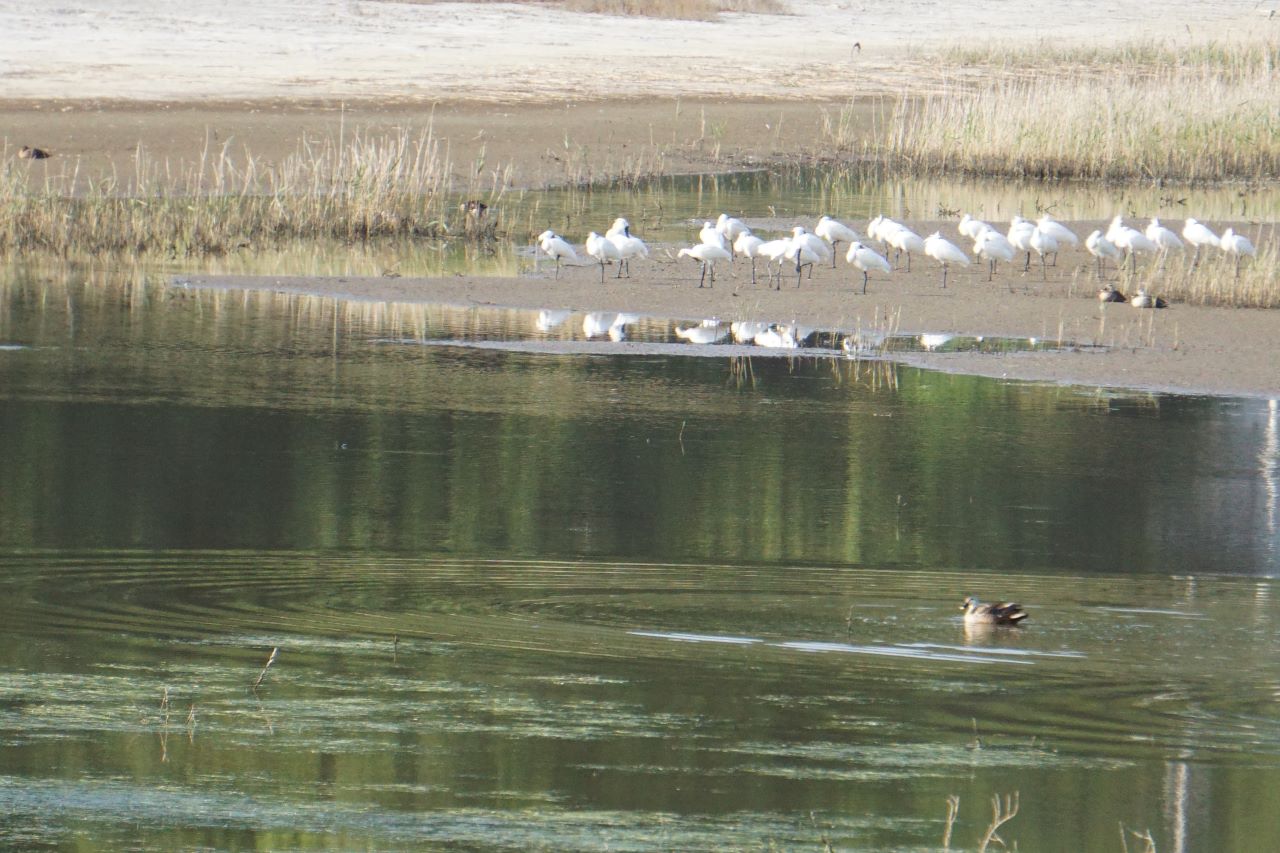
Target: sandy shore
[(95, 80), (1186, 349)]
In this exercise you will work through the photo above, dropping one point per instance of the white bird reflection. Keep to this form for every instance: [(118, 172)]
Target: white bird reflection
[(932, 342), (548, 319), (707, 332)]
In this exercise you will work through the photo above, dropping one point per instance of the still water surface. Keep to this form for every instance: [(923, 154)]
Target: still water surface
[(618, 598)]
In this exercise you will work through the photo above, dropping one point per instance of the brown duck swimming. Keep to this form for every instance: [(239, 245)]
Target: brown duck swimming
[(1000, 613)]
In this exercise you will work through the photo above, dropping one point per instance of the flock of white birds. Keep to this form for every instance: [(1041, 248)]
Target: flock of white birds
[(729, 237)]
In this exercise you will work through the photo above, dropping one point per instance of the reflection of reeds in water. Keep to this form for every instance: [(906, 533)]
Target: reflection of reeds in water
[(1145, 111), (741, 373)]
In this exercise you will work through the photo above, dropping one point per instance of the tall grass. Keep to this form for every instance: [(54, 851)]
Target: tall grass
[(1137, 112), (353, 187), (1214, 281)]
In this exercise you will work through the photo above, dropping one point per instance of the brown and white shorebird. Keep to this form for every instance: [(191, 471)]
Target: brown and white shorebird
[(1110, 294), (1000, 613), (26, 152)]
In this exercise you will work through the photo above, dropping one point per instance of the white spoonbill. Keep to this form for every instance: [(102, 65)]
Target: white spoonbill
[(1199, 235), (972, 228), (709, 236), (866, 259), (806, 250), (944, 252), (556, 247), (1102, 248), (902, 239), (1238, 245), (747, 245), (730, 228), (604, 251), (1113, 230), (1043, 243), (1161, 236), (1131, 241), (835, 232), (619, 226), (629, 246), (1046, 224), (707, 254), (1020, 231), (774, 252), (993, 246)]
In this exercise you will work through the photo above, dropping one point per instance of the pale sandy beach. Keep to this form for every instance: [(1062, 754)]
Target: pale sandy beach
[(94, 80)]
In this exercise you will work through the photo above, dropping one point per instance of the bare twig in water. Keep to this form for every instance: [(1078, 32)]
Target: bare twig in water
[(1001, 813), (263, 674), (1141, 836), (191, 723), (953, 811)]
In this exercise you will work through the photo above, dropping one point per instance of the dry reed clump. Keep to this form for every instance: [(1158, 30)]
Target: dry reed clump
[(1214, 281), (352, 188), (1192, 114)]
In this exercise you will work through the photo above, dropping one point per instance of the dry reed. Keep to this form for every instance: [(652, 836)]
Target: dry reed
[(1146, 111), (351, 188)]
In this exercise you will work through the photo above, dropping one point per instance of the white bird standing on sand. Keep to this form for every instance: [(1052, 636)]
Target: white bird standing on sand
[(1238, 245), (1020, 231), (775, 252), (629, 246), (1131, 241), (1199, 235), (806, 250), (944, 252), (973, 228), (835, 232), (1043, 243), (709, 236), (902, 239), (1063, 235), (747, 245), (993, 246), (707, 254), (1165, 240), (866, 259), (604, 251), (730, 228), (557, 248), (1102, 248)]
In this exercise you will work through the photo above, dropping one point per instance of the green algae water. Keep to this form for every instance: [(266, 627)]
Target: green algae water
[(532, 597)]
